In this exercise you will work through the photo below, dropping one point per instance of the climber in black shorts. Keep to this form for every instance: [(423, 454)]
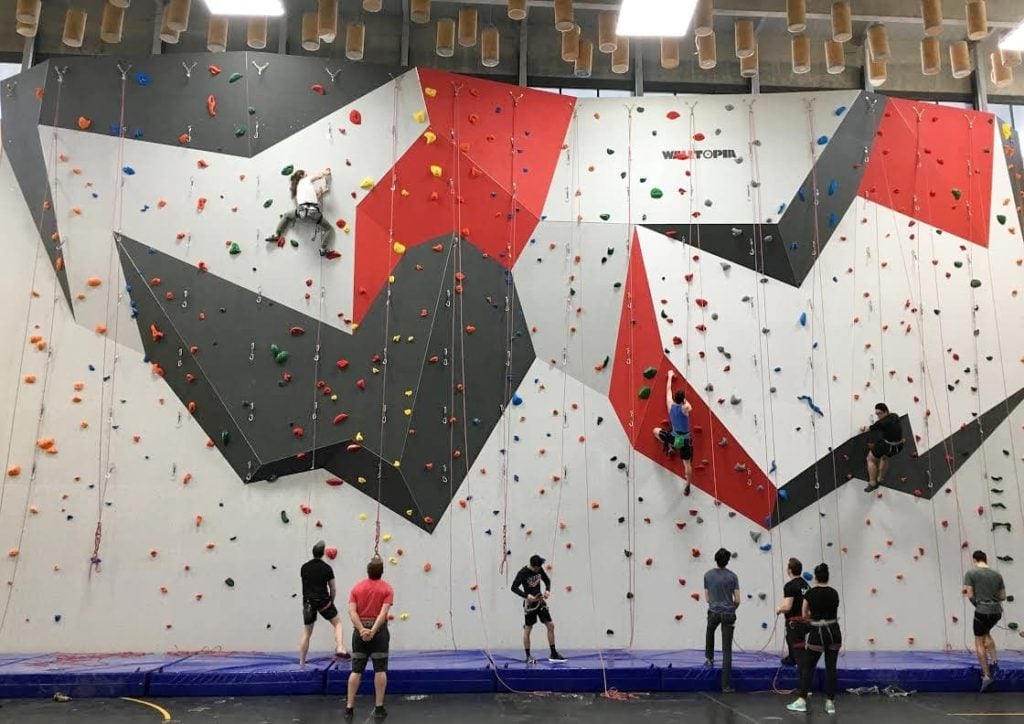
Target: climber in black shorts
[(318, 593), (887, 442), (527, 585), (676, 435)]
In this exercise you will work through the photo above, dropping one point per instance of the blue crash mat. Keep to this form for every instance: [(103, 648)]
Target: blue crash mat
[(240, 674), (685, 671), (81, 675), (583, 672), (423, 672)]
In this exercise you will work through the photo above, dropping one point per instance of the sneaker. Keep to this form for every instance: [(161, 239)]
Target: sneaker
[(379, 712), (986, 681), (557, 658), (709, 662), (350, 713), (798, 705), (787, 661), (830, 707), (530, 661), (870, 488)]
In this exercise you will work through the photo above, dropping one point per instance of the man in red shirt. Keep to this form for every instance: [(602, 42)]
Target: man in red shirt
[(368, 606)]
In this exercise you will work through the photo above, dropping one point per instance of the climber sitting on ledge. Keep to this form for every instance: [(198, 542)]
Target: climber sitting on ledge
[(886, 442), (306, 192), (677, 436)]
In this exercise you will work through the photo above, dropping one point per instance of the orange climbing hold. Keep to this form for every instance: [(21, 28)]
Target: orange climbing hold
[(84, 123), (13, 553), (14, 471), (46, 443), (211, 106), (155, 333)]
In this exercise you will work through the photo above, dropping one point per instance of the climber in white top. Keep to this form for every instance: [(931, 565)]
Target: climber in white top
[(307, 192)]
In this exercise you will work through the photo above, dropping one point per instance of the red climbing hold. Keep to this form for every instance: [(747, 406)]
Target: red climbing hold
[(695, 552), (340, 418), (702, 303), (470, 329), (342, 364), (331, 552), (681, 155), (211, 106), (355, 117), (698, 136), (354, 447), (318, 89), (214, 70), (332, 255), (298, 432), (296, 331), (672, 115), (361, 383)]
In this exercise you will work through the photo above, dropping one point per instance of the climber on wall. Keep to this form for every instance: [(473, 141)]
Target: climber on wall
[(307, 192), (676, 436), (535, 605), (886, 442), (318, 593)]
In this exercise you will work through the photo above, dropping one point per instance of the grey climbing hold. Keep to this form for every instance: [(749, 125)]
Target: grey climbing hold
[(755, 536), (737, 232), (724, 442), (709, 387), (734, 400), (726, 266)]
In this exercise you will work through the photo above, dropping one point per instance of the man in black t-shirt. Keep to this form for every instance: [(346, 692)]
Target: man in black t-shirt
[(318, 593), (791, 607), (535, 605), (886, 442)]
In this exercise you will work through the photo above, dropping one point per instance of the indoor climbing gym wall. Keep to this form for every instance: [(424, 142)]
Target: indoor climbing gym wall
[(472, 371)]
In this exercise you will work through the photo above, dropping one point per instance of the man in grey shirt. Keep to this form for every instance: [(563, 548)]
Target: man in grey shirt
[(722, 592), (986, 590)]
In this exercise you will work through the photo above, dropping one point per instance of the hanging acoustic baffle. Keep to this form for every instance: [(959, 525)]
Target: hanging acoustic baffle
[(310, 32), (372, 6), (842, 21), (743, 31), (835, 57), (1002, 75), (878, 73), (490, 47), (517, 9), (327, 20), (355, 40), (419, 11), (26, 30), (256, 32), (564, 16), (931, 16), (112, 24), (707, 53), (749, 65), (27, 11), (571, 45), (606, 31), (931, 55), (444, 45), (960, 59), (800, 53), (467, 27), (670, 53), (74, 27), (977, 20), (878, 43), (620, 56), (704, 18), (217, 34), (177, 15), (1011, 58), (585, 61), (796, 16)]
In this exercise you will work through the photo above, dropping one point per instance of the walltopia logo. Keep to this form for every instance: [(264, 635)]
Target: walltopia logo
[(706, 154)]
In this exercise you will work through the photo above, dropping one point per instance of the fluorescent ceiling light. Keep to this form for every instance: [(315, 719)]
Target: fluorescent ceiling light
[(245, 7), (655, 18), (1013, 40)]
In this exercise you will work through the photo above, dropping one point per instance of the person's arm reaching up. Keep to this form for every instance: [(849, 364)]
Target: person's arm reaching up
[(668, 391)]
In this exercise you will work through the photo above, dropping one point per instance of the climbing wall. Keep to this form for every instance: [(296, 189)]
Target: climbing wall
[(473, 372)]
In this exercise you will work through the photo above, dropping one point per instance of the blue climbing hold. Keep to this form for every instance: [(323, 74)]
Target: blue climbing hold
[(765, 547), (840, 110), (137, 133), (833, 220), (772, 469), (782, 207), (517, 400), (803, 319), (810, 403), (808, 576), (833, 186), (801, 195), (128, 171), (783, 494), (143, 79), (822, 140)]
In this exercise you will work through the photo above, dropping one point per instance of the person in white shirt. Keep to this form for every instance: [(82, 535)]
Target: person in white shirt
[(307, 192)]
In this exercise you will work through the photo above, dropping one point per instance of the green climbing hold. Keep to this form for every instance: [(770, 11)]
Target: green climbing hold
[(240, 131), (235, 77), (610, 251), (650, 372), (294, 243), (656, 193), (957, 193), (610, 151), (281, 357), (639, 109), (617, 285), (975, 283), (1001, 218), (252, 110), (288, 170), (234, 249), (1013, 625), (225, 437), (622, 175), (272, 477), (229, 582), (268, 203), (605, 217), (643, 179), (284, 517), (958, 264), (274, 349), (645, 392)]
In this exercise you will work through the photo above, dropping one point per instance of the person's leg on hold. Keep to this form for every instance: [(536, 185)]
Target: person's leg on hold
[(286, 219), (686, 453), (728, 626), (709, 639)]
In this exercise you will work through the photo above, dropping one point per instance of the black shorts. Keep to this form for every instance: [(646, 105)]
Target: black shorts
[(310, 609), (376, 648), (883, 449), (683, 442), (985, 622), (541, 613)]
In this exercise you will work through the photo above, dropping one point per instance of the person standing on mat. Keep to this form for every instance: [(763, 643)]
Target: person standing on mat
[(318, 593), (527, 585), (677, 436), (722, 593), (792, 607), (821, 609), (887, 442), (306, 192), (369, 603), (985, 589)]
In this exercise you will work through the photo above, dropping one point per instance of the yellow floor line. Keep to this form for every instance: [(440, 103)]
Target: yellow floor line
[(166, 714)]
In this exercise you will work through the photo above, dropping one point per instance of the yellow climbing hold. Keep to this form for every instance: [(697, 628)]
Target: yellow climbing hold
[(391, 279), (393, 561), (386, 537), (404, 616), (398, 247), (359, 437), (361, 480), (362, 516), (408, 393), (355, 326), (410, 339), (334, 398), (404, 193), (1007, 131), (366, 183), (375, 370), (408, 512), (397, 464), (420, 116), (430, 137), (435, 171), (430, 92), (408, 412)]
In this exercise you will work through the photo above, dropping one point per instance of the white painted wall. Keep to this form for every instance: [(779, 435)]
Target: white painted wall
[(145, 505)]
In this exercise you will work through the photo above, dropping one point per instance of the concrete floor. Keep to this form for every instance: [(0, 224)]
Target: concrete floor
[(526, 709)]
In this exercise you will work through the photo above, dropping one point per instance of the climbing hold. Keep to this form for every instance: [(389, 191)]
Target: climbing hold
[(318, 89), (516, 400), (235, 77), (975, 283), (419, 116), (429, 137), (211, 105), (128, 171), (398, 247), (650, 372), (656, 193), (229, 582), (803, 319), (436, 171), (284, 517), (84, 123), (957, 193), (355, 117), (366, 183), (234, 249), (240, 131), (644, 393)]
